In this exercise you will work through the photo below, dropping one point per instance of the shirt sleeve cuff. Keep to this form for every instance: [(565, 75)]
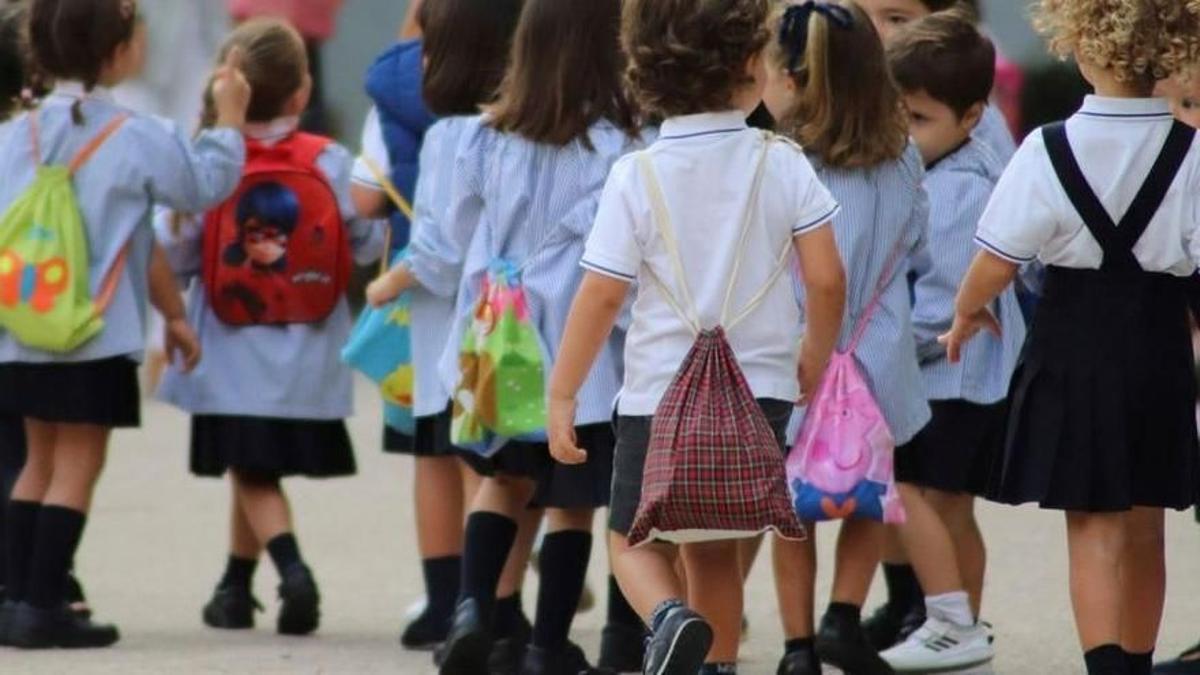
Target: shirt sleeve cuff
[(810, 224), (1003, 251), (607, 270)]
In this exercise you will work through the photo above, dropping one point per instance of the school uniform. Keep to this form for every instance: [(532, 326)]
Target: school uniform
[(268, 400), (705, 164), (532, 204), (953, 453), (884, 219), (993, 131), (1102, 406), (145, 161)]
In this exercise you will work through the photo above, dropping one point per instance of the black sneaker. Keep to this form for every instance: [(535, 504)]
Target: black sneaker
[(468, 645), (508, 652), (570, 660), (844, 644), (300, 602), (1187, 663), (427, 631), (799, 663), (623, 648), (33, 628), (231, 608), (882, 628), (679, 646)]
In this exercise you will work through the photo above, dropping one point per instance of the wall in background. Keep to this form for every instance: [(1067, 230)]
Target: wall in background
[(366, 27)]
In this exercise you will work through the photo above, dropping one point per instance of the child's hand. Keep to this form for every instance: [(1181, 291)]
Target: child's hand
[(180, 338), (811, 372), (384, 290), (230, 91), (560, 427), (967, 327)]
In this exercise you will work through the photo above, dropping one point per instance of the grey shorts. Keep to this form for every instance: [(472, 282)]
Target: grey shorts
[(633, 440)]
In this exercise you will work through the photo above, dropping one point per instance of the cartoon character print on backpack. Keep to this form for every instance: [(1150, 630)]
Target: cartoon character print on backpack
[(276, 252)]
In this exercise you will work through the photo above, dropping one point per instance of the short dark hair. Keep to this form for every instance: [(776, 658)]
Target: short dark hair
[(565, 73), (74, 39), (689, 56), (945, 56), (14, 57), (466, 46)]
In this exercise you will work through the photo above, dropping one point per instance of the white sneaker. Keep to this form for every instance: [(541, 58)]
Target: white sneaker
[(940, 646)]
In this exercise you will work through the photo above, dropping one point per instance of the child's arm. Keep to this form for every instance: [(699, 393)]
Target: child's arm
[(986, 280), (825, 289), (593, 314), (167, 299), (370, 199)]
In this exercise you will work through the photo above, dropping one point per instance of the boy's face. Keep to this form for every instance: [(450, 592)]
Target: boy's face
[(936, 127), (891, 15), (1184, 97)]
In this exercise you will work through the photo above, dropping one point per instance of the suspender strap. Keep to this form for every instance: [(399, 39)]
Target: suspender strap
[(1118, 241)]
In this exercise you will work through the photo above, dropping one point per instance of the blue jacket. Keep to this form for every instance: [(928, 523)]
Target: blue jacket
[(394, 84)]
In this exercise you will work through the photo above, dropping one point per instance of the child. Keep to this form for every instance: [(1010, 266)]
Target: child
[(698, 65), (829, 86), (457, 82), (1102, 407), (889, 16), (527, 180), (90, 46), (290, 421), (944, 66)]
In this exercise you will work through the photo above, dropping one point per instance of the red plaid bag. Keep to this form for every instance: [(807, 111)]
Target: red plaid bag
[(714, 468)]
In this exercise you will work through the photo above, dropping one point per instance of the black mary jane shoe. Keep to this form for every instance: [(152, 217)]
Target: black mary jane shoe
[(34, 628)]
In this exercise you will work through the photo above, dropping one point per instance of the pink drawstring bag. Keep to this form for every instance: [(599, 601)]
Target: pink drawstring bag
[(842, 463), (714, 468)]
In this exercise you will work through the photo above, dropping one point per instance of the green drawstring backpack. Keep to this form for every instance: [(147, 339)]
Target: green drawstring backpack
[(45, 293)]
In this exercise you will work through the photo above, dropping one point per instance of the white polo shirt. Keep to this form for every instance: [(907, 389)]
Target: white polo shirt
[(706, 164), (1116, 141)]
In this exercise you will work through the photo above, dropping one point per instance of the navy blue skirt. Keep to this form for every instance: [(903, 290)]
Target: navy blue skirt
[(270, 448), (103, 393)]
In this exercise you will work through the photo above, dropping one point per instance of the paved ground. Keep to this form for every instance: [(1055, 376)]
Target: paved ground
[(156, 546)]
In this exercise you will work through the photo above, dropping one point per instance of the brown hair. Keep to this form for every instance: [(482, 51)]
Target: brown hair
[(466, 46), (75, 39), (947, 57), (1138, 40), (689, 56), (565, 73), (848, 108), (275, 65), (14, 58)]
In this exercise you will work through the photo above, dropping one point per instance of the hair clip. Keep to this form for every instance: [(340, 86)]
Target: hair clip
[(793, 33)]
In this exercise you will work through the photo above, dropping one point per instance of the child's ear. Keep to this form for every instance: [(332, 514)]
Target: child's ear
[(974, 114)]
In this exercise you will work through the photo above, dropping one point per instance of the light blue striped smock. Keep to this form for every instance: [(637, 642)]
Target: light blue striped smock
[(994, 132), (533, 204), (147, 161), (291, 371), (884, 208), (959, 187)]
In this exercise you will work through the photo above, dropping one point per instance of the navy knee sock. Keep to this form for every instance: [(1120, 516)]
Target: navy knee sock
[(488, 540), (21, 528), (59, 530), (563, 561), (1106, 660), (284, 551)]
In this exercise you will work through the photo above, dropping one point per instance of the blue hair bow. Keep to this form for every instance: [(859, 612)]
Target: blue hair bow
[(793, 33)]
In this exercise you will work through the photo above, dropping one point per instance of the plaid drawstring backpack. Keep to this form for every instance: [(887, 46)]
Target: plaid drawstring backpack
[(714, 469)]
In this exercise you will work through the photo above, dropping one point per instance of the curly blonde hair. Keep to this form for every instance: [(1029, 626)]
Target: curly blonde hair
[(1138, 40)]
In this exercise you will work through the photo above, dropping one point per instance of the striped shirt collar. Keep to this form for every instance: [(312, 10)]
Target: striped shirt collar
[(703, 124), (74, 89), (1125, 108)]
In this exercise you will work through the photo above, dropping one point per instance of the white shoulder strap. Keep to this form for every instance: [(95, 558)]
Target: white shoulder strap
[(662, 220)]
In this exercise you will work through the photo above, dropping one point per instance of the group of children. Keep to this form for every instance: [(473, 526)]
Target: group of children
[(599, 151)]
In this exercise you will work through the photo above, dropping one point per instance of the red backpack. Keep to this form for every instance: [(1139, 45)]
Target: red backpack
[(276, 252)]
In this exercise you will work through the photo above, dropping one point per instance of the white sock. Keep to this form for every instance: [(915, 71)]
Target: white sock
[(953, 607)]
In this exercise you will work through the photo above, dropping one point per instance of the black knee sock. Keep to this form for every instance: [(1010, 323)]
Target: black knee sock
[(620, 612), (904, 590), (1106, 660), (564, 561), (284, 551), (442, 577), (239, 572), (797, 645), (1140, 664), (487, 542), (22, 518), (844, 612), (59, 530), (508, 616)]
